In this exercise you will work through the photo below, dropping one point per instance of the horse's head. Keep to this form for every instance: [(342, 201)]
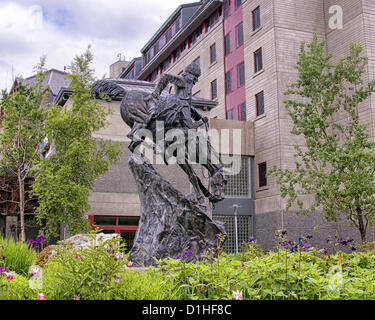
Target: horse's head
[(217, 184)]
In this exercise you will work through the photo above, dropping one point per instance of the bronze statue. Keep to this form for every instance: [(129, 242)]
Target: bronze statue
[(170, 222)]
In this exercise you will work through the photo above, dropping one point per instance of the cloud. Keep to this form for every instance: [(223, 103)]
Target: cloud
[(61, 29)]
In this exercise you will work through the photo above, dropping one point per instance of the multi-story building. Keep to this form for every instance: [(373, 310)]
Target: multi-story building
[(247, 51)]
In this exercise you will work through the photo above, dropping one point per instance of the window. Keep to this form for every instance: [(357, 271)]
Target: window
[(236, 234), (237, 3), (262, 168), (258, 60), (256, 18), (214, 89), (226, 5), (242, 112), (122, 225), (230, 114), (228, 82), (238, 176), (259, 103), (239, 35), (213, 53), (227, 46), (213, 19), (240, 74)]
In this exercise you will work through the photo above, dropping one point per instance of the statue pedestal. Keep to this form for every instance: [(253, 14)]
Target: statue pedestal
[(170, 222)]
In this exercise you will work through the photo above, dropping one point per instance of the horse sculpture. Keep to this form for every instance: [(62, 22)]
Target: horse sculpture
[(141, 110)]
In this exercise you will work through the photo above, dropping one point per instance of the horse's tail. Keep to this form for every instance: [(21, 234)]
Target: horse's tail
[(107, 89)]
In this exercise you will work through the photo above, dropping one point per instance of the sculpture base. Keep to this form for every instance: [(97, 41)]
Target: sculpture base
[(170, 223)]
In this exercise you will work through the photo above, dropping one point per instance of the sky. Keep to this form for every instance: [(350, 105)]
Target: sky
[(62, 29)]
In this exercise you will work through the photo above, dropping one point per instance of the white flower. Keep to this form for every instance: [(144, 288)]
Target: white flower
[(237, 295), (34, 271)]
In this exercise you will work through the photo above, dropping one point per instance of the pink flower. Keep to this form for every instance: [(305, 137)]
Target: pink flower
[(41, 296), (10, 276), (237, 295), (75, 256), (130, 264)]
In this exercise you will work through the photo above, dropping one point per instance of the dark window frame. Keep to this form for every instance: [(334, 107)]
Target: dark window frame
[(229, 81), (213, 53), (226, 8), (214, 89), (241, 110), (239, 35), (262, 174), (241, 74), (256, 18), (227, 43), (259, 108), (258, 60)]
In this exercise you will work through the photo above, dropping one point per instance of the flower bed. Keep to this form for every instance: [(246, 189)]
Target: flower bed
[(294, 270)]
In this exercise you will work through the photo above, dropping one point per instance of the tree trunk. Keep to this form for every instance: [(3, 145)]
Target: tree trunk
[(361, 226), (21, 184)]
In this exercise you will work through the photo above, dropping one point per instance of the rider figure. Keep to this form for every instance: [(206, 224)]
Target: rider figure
[(177, 110)]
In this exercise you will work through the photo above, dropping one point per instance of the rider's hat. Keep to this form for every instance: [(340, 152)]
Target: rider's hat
[(194, 69)]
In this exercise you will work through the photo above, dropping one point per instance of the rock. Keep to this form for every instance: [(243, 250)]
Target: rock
[(81, 241), (78, 242), (171, 223)]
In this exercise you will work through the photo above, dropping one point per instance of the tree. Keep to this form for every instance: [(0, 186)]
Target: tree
[(337, 163), (65, 178), (21, 135)]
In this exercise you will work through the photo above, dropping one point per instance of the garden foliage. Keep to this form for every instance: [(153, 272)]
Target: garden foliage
[(294, 270)]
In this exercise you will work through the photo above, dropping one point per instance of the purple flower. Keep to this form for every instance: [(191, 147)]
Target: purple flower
[(307, 246), (188, 253), (76, 298), (216, 236), (178, 257), (309, 236), (252, 239), (117, 279), (3, 270)]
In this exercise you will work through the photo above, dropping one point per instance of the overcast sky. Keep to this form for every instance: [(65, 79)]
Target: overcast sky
[(61, 29)]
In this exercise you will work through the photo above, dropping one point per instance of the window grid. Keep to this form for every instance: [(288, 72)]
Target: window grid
[(243, 223), (238, 185)]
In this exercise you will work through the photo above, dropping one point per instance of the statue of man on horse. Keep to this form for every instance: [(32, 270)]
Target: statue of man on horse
[(141, 110)]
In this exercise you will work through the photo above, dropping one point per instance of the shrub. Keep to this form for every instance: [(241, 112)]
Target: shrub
[(16, 289), (16, 256), (87, 273), (144, 285)]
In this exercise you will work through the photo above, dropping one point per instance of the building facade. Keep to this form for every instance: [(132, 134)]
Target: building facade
[(247, 51)]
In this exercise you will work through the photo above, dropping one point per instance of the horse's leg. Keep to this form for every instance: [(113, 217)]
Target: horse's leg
[(199, 188)]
